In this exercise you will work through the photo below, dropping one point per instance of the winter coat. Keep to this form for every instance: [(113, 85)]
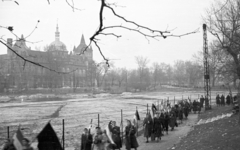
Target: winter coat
[(228, 100), (131, 140), (116, 137), (173, 120), (148, 124), (86, 142), (157, 127), (222, 100), (180, 114)]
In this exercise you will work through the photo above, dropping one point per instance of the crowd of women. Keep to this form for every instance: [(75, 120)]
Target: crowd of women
[(171, 115)]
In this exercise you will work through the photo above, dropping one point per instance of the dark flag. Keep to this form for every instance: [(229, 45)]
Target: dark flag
[(154, 109), (48, 140), (136, 116)]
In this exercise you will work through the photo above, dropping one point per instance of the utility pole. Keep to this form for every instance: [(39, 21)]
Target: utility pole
[(207, 87)]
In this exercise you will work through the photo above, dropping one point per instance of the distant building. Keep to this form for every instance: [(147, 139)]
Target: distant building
[(16, 73)]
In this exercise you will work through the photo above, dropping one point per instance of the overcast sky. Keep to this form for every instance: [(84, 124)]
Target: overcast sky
[(184, 15)]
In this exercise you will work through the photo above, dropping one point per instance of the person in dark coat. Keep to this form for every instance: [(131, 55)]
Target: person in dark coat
[(131, 140), (180, 113), (147, 123), (166, 121), (172, 121), (201, 101), (116, 136), (222, 100), (195, 105), (157, 127), (218, 100), (161, 119), (228, 100), (86, 140), (186, 109), (198, 107)]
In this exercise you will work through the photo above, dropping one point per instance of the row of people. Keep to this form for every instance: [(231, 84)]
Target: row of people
[(154, 128), (101, 141), (220, 101)]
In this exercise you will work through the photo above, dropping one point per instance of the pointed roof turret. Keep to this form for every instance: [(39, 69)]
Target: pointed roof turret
[(81, 46), (82, 41)]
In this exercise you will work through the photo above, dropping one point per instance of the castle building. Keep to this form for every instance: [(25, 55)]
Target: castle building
[(67, 69)]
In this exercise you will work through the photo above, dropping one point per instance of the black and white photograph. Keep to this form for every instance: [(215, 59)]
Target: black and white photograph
[(119, 74)]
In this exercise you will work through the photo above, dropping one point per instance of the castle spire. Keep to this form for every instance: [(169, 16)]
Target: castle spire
[(82, 41), (57, 34)]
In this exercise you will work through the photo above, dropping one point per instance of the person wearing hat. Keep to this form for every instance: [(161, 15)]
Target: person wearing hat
[(98, 140), (131, 140), (26, 145), (116, 136), (86, 140)]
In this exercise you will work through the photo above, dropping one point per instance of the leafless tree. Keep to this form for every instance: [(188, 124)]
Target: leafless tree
[(142, 63), (223, 21)]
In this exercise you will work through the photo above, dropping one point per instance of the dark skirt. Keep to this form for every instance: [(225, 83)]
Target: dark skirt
[(131, 142)]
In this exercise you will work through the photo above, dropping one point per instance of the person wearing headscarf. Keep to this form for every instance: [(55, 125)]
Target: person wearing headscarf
[(98, 140), (86, 140), (147, 124), (157, 128), (116, 136), (131, 140)]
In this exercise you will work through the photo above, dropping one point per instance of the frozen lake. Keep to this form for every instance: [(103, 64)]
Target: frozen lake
[(78, 112)]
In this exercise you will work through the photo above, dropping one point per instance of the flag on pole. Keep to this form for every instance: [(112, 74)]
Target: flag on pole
[(48, 140), (154, 109), (17, 139), (109, 133), (136, 116)]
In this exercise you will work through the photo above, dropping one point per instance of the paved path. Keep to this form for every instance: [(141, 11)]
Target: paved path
[(172, 138)]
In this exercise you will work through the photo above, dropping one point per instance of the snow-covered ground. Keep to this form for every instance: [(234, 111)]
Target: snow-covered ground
[(77, 112)]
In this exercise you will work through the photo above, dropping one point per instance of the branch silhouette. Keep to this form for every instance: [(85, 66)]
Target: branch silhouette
[(139, 29)]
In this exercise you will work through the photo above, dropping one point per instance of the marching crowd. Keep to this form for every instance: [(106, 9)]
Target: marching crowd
[(154, 128)]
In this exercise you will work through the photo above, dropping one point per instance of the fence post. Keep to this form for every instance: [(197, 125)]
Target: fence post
[(63, 138), (98, 121), (147, 108), (122, 124), (8, 132), (136, 122)]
